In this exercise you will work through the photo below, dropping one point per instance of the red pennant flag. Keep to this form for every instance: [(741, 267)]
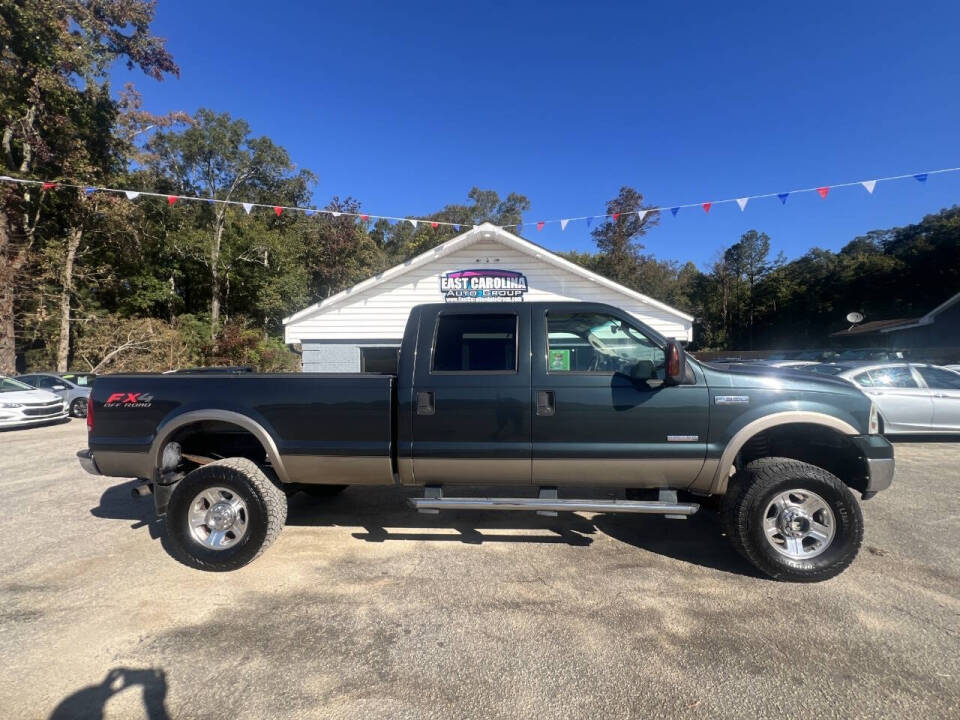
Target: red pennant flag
[(364, 217), (540, 225), (171, 199), (278, 210), (616, 216), (823, 192), (49, 185), (433, 224), (707, 206)]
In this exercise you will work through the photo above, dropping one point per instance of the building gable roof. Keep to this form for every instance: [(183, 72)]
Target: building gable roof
[(486, 231), (926, 319)]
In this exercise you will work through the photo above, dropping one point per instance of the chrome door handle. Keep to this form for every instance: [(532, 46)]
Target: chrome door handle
[(426, 404), (546, 403)]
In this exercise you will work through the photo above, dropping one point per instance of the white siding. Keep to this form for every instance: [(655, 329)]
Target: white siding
[(381, 311)]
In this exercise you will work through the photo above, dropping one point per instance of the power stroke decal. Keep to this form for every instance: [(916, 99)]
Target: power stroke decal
[(129, 400), (485, 284)]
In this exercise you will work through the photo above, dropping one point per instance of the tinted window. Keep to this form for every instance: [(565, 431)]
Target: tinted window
[(28, 379), (892, 377), (46, 382), (940, 379), (596, 342), (476, 343), (378, 360)]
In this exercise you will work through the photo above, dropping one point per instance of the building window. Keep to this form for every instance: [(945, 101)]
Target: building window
[(476, 343), (379, 360)]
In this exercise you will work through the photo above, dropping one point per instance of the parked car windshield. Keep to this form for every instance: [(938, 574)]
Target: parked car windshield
[(11, 385)]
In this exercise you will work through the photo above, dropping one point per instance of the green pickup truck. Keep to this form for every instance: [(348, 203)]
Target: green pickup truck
[(544, 398)]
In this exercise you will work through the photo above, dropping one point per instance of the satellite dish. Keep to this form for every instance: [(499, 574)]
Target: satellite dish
[(854, 317)]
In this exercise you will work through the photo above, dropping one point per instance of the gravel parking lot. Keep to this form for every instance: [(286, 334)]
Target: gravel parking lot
[(364, 609)]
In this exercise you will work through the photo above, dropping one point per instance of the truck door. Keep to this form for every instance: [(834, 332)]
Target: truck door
[(602, 413), (471, 396)]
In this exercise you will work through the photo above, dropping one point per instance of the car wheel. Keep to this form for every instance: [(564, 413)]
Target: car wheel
[(78, 408), (794, 521), (224, 514)]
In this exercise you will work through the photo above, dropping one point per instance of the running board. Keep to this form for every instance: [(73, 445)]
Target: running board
[(434, 504)]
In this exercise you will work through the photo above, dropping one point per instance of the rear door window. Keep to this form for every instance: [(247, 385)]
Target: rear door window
[(475, 343), (938, 379)]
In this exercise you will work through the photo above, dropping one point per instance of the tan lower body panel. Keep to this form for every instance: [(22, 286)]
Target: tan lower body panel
[(634, 473), (472, 471), (338, 470)]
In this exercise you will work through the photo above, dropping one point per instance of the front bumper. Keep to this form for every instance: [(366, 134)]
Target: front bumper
[(878, 454), (14, 418), (87, 462)]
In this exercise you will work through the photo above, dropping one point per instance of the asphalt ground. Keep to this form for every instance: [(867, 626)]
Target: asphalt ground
[(364, 609)]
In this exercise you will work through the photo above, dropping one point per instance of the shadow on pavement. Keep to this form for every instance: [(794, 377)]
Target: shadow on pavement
[(117, 503), (384, 515), (90, 702)]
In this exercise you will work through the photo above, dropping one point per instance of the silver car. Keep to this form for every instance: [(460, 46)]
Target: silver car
[(912, 397), (74, 388)]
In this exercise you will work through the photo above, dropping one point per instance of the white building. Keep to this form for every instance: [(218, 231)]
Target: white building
[(360, 328)]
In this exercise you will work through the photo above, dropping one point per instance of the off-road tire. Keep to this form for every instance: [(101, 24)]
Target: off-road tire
[(756, 485), (322, 491), (265, 502)]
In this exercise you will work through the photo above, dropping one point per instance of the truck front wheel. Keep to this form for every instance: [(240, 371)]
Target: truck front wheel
[(223, 515), (792, 520)]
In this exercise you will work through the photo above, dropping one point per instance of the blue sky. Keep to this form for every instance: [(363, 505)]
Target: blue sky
[(405, 106)]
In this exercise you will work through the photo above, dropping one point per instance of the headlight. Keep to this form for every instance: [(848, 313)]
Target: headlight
[(873, 425), (10, 405)]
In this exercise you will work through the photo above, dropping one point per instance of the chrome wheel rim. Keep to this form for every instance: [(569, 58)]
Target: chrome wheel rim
[(218, 518), (799, 524), (80, 408)]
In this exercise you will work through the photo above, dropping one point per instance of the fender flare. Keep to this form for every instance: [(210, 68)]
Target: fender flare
[(721, 473), (228, 416)]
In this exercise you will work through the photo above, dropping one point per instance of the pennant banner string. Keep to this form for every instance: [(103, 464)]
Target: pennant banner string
[(823, 191)]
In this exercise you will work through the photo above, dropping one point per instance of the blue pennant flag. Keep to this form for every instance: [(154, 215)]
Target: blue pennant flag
[(311, 213), (674, 211), (456, 227), (209, 201), (921, 177), (783, 197), (589, 221), (89, 190)]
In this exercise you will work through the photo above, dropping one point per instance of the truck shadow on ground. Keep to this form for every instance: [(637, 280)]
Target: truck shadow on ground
[(90, 702), (385, 516)]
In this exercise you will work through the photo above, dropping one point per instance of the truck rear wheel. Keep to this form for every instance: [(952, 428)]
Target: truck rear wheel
[(794, 521), (223, 515)]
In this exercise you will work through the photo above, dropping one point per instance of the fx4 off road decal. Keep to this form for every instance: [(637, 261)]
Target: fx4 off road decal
[(482, 284), (129, 400)]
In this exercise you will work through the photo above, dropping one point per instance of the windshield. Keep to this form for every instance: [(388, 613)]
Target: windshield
[(11, 385)]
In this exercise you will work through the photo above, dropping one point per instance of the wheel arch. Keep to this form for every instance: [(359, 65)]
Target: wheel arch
[(182, 422), (776, 421)]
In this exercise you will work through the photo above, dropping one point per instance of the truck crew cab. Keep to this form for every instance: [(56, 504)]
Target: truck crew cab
[(541, 398)]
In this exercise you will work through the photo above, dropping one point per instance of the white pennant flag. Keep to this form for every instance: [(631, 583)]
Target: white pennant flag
[(742, 202), (335, 214), (641, 214), (869, 185), (563, 224), (131, 195), (247, 207), (412, 222)]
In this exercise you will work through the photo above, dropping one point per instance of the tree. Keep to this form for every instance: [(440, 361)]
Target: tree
[(618, 237), (57, 114), (216, 158)]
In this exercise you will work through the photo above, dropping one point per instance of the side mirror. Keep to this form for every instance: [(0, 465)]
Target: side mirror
[(676, 364)]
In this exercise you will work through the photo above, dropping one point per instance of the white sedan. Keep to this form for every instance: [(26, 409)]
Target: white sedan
[(911, 397), (22, 405)]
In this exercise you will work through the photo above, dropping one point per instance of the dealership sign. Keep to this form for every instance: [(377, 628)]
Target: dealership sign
[(485, 284)]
